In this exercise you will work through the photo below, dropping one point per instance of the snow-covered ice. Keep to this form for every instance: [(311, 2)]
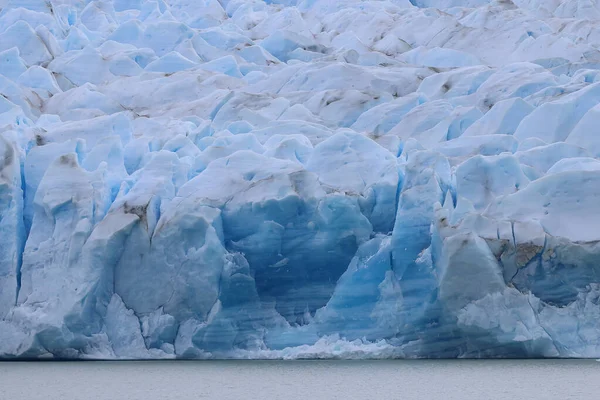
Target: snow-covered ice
[(299, 178)]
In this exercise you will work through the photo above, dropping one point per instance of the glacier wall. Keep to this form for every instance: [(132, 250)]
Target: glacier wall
[(299, 178)]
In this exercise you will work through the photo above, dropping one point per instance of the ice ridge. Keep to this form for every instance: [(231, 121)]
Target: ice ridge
[(299, 178)]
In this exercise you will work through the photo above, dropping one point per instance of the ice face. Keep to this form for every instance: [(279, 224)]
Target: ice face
[(284, 179)]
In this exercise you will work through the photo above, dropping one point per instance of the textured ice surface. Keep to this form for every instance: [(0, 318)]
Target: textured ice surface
[(299, 178)]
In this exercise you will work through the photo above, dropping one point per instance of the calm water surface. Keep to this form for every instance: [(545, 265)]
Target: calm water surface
[(310, 380)]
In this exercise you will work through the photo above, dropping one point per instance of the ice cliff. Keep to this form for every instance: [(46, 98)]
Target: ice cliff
[(299, 178)]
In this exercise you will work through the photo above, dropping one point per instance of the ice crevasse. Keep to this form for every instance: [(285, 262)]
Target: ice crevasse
[(299, 178)]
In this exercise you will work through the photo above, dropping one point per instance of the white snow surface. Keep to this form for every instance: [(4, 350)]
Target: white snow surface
[(299, 178)]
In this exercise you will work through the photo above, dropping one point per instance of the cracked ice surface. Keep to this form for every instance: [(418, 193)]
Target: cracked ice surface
[(299, 178)]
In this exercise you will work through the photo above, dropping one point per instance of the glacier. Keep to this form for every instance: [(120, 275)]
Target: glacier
[(299, 179)]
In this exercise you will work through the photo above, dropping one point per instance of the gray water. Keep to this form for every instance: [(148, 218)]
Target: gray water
[(311, 380)]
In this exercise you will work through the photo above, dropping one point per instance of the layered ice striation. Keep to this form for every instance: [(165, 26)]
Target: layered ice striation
[(299, 178)]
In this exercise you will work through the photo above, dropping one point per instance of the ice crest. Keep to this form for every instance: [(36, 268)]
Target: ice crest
[(299, 179)]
